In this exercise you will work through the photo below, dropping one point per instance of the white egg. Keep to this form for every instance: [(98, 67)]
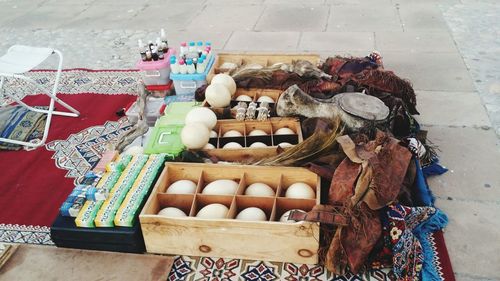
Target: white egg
[(300, 190), (284, 217), (259, 189), (213, 211), (265, 99), (252, 214), (209, 146), (258, 144), (225, 80), (243, 98), (217, 95), (285, 144), (202, 115), (213, 134), (221, 187), (172, 212), (232, 133), (182, 187), (257, 132), (284, 131), (195, 135), (134, 150), (232, 145)]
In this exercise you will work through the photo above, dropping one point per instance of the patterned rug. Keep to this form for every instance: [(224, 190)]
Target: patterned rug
[(75, 81)]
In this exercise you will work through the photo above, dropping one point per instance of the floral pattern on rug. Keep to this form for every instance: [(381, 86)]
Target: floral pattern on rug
[(218, 269), (75, 81), (82, 151)]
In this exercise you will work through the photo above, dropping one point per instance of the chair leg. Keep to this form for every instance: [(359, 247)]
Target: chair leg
[(73, 113)]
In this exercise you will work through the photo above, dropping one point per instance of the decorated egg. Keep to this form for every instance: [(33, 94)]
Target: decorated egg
[(243, 98), (265, 99), (182, 187), (195, 135), (232, 133), (300, 190), (259, 189), (226, 80), (172, 212), (221, 187), (286, 215), (202, 115), (252, 214), (217, 95), (258, 144), (213, 211), (232, 145), (257, 132), (284, 131)]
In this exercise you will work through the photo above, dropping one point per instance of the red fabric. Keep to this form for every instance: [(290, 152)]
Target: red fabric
[(32, 188), (444, 258)]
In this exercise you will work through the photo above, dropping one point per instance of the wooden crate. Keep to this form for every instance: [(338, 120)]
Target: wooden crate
[(247, 153), (270, 240), (254, 93), (264, 59)]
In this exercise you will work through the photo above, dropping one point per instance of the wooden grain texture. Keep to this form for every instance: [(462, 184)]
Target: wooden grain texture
[(270, 240), (31, 262)]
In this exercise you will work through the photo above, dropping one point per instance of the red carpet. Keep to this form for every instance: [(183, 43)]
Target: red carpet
[(31, 186)]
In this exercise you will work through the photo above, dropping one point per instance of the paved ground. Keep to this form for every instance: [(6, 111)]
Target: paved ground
[(450, 49)]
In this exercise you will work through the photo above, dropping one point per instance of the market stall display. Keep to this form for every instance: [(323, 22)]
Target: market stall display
[(255, 128)]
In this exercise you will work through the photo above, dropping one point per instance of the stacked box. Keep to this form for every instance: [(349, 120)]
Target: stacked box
[(89, 210), (128, 209), (106, 214)]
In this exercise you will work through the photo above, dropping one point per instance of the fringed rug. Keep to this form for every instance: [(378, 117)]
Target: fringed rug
[(36, 182)]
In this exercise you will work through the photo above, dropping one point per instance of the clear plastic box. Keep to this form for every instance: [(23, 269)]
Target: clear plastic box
[(156, 72), (153, 110), (186, 84)]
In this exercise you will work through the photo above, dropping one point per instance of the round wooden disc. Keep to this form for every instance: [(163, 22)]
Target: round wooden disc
[(364, 106)]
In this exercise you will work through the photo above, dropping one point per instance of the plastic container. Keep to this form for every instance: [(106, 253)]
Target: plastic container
[(153, 110), (165, 139), (156, 72), (186, 84), (160, 91), (175, 113)]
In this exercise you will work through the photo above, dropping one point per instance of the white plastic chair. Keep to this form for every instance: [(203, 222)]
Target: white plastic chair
[(21, 59)]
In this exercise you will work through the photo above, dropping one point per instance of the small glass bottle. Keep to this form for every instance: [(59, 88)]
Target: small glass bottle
[(182, 67), (174, 66), (142, 50), (160, 49), (190, 66), (183, 50), (201, 66), (164, 42)]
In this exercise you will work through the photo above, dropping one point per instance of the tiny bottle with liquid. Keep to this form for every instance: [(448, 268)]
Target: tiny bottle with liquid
[(142, 50), (183, 50), (160, 49), (164, 42), (190, 66), (199, 48), (154, 53), (182, 67), (201, 66), (174, 66)]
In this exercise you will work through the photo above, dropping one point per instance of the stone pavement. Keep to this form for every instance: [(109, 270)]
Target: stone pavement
[(449, 49)]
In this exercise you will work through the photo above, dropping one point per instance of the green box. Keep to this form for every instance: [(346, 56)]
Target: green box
[(165, 139)]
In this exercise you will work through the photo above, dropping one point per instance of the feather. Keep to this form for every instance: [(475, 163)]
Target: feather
[(314, 147)]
